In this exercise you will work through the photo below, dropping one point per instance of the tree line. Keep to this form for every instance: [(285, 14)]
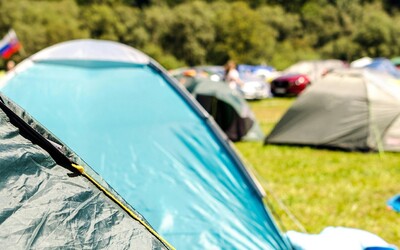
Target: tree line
[(181, 32)]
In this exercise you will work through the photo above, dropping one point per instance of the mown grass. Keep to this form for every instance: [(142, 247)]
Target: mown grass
[(324, 188)]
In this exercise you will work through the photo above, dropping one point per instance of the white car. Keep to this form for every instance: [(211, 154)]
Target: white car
[(255, 88)]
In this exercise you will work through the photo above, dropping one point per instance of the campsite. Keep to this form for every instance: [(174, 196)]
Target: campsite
[(324, 187), (179, 124)]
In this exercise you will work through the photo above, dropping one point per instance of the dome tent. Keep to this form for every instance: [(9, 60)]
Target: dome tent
[(315, 69), (47, 203), (156, 147), (384, 65), (228, 108), (355, 109)]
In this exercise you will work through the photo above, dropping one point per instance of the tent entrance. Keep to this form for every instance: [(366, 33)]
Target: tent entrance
[(226, 117)]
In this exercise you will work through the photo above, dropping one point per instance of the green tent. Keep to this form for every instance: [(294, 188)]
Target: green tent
[(50, 199), (396, 61), (228, 108), (348, 109)]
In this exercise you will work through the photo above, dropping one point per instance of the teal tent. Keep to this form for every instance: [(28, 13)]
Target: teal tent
[(50, 199), (121, 112)]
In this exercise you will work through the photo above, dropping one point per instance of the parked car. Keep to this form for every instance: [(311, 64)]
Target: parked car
[(254, 87), (297, 77), (315, 69), (289, 84)]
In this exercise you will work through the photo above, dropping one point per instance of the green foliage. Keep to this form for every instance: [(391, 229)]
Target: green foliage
[(376, 33), (168, 61), (292, 51), (321, 22), (290, 6), (342, 48), (91, 2), (131, 30), (40, 24), (157, 21), (391, 6), (287, 25), (291, 46), (190, 34), (273, 32), (241, 35)]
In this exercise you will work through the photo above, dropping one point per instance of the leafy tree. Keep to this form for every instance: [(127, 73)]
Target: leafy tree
[(131, 30), (241, 35), (251, 3), (290, 6), (157, 21), (349, 13), (191, 34), (101, 21), (292, 51), (177, 32), (167, 60), (99, 2), (173, 3), (375, 32), (342, 48), (391, 6), (118, 23), (39, 24), (288, 25), (395, 34), (321, 22)]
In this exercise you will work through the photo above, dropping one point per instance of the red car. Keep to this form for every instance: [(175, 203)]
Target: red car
[(289, 85)]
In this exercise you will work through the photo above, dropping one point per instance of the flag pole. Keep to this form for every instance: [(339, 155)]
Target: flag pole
[(21, 51)]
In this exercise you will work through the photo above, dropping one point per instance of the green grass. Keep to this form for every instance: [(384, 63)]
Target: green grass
[(324, 188)]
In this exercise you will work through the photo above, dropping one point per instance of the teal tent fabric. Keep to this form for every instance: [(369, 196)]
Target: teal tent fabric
[(46, 204), (136, 129)]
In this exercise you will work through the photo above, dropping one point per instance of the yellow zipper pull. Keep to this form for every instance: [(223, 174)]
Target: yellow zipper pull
[(78, 167)]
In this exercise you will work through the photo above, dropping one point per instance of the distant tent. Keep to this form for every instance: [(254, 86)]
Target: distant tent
[(228, 108), (46, 203), (348, 109), (383, 65), (361, 62), (315, 69), (138, 128), (396, 62)]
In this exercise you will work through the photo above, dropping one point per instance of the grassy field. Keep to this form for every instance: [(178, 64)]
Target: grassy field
[(324, 188)]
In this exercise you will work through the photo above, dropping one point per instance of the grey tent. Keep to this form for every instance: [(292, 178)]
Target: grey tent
[(348, 109), (50, 199), (228, 108)]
